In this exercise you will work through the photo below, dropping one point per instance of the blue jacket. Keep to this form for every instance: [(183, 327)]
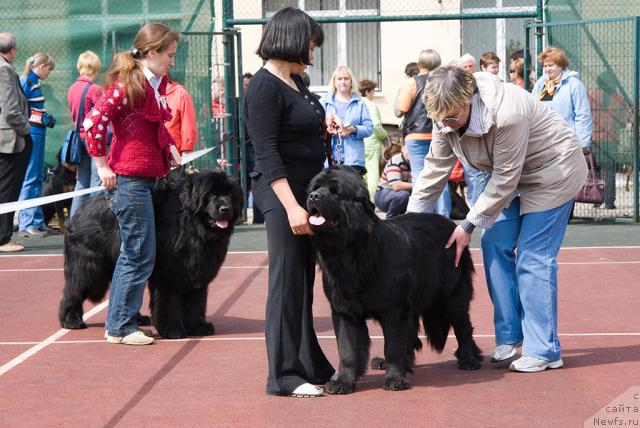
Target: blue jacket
[(32, 90), (357, 115), (571, 102)]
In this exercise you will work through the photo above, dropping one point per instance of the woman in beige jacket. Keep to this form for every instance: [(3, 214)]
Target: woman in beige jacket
[(537, 168)]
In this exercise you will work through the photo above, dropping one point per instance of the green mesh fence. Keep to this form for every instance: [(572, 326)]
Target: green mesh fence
[(574, 10), (65, 28), (605, 54)]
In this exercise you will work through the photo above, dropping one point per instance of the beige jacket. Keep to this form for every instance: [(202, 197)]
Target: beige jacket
[(529, 150), (14, 110)]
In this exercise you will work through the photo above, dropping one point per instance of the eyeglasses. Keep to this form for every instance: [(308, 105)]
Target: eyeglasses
[(452, 118)]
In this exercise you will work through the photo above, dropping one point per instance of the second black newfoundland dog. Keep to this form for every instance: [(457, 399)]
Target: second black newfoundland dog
[(195, 216), (396, 272)]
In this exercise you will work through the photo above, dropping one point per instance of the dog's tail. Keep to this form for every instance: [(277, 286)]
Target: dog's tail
[(436, 326)]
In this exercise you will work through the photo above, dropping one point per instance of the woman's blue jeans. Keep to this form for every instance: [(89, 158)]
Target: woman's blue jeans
[(87, 177), (519, 254), (131, 202), (33, 218), (476, 181), (418, 149)]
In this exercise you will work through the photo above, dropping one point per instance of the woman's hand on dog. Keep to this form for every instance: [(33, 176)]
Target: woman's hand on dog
[(299, 220), (107, 176), (462, 239)]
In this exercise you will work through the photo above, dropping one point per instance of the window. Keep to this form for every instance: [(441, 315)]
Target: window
[(356, 45)]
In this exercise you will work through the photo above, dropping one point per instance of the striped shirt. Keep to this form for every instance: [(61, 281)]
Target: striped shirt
[(396, 169)]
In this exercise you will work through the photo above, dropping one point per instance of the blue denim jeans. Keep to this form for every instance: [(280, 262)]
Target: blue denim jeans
[(32, 185), (476, 181), (131, 202), (524, 286), (87, 177), (418, 149), (392, 202)]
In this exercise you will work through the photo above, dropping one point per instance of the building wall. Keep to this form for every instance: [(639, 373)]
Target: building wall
[(400, 43)]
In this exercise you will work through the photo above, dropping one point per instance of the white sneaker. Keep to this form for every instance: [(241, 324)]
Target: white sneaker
[(504, 352), (135, 338), (532, 364), (306, 390), (11, 247)]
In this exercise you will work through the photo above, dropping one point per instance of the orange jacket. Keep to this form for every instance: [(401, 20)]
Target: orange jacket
[(182, 126)]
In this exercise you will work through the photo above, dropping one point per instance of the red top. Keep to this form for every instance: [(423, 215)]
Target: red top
[(73, 99), (182, 126), (140, 145)]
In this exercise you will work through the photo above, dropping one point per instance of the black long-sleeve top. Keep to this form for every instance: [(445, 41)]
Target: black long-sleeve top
[(287, 128)]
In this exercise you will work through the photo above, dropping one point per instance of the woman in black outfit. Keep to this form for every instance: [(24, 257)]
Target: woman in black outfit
[(287, 126)]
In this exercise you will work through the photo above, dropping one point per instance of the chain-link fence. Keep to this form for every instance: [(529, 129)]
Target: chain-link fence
[(65, 28), (576, 10), (605, 53)]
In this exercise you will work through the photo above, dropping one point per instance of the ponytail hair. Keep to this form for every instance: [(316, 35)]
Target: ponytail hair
[(126, 66), (36, 61)]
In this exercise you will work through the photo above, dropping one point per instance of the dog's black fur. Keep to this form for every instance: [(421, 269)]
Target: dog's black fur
[(395, 272), (59, 180), (190, 248)]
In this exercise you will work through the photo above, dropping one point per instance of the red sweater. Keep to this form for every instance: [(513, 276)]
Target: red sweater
[(140, 145)]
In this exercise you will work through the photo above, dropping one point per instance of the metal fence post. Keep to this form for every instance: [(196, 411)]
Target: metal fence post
[(231, 135), (636, 117), (241, 127)]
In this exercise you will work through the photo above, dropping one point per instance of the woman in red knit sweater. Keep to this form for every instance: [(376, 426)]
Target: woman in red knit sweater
[(141, 150)]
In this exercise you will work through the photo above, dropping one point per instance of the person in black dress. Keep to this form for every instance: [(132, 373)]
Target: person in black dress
[(287, 126)]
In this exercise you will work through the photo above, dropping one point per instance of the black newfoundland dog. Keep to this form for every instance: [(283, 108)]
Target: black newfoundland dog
[(195, 216), (394, 271)]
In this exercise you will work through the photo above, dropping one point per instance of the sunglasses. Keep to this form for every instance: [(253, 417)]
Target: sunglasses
[(511, 71)]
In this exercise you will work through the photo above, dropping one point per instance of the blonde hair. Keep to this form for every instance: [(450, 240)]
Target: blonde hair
[(555, 55), (126, 67), (448, 88), (36, 61), (343, 69), (88, 64)]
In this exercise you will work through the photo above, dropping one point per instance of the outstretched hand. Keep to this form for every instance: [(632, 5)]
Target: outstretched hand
[(461, 239)]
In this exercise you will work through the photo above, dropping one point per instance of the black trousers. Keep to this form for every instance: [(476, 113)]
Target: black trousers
[(13, 167), (293, 351)]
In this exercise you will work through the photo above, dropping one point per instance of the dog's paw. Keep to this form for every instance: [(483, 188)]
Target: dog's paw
[(173, 333), (396, 383), (378, 363), (335, 387), (73, 324), (206, 329), (143, 320), (469, 364)]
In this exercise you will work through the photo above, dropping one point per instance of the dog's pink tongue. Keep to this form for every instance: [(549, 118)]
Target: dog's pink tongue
[(316, 220), (222, 224)]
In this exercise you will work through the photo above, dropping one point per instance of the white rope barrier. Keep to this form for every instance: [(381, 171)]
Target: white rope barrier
[(36, 202)]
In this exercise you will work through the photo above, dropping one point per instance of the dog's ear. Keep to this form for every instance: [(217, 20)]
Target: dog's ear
[(189, 196), (237, 197)]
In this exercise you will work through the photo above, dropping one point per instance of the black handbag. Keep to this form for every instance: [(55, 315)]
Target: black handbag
[(73, 145)]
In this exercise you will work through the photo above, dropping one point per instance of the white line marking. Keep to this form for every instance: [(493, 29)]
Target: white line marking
[(61, 269), (266, 266), (60, 254), (260, 338), (48, 341)]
